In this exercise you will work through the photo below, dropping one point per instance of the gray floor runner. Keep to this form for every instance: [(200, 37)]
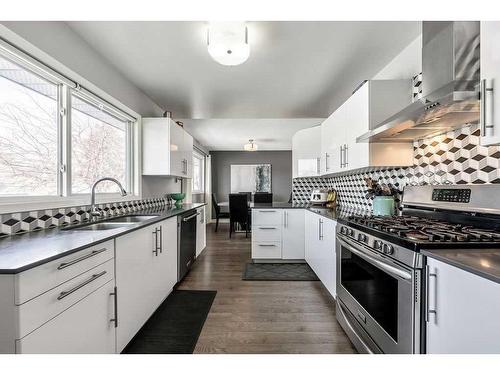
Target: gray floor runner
[(279, 272)]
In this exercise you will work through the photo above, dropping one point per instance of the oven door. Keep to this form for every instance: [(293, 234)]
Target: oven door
[(381, 295)]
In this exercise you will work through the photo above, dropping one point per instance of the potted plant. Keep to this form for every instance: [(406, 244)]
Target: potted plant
[(383, 196)]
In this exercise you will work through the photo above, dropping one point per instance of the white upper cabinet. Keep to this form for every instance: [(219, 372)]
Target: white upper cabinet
[(371, 104), (306, 152), (333, 139), (490, 83), (167, 149)]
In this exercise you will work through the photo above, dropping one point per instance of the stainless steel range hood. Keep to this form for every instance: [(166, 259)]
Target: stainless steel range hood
[(450, 86)]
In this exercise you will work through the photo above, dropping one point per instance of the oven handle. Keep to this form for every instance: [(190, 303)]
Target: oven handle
[(396, 272)]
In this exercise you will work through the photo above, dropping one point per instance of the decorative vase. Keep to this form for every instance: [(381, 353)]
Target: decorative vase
[(383, 206), (178, 197)]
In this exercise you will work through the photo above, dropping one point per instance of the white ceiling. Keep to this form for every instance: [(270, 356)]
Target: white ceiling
[(232, 134), (300, 70)]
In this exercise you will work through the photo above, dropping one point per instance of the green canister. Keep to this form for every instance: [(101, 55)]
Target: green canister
[(383, 206)]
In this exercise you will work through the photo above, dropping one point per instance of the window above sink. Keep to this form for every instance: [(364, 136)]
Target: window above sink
[(57, 138)]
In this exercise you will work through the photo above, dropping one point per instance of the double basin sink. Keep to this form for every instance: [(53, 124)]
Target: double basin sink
[(113, 223)]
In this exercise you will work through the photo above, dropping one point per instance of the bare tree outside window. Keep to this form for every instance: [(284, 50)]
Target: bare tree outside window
[(98, 149), (28, 141), (29, 138)]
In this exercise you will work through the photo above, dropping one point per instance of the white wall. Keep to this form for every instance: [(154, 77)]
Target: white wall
[(406, 64)]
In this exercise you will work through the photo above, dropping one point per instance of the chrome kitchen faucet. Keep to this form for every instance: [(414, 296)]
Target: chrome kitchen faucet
[(94, 212)]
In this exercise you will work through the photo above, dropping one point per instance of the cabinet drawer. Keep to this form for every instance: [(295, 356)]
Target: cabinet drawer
[(266, 217), (38, 311), (38, 280), (266, 233), (266, 250), (83, 328)]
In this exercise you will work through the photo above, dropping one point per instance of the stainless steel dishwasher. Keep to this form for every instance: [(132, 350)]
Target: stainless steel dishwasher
[(186, 242)]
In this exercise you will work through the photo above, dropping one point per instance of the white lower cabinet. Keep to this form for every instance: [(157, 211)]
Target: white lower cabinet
[(320, 248), (293, 234), (278, 234), (463, 310), (146, 271), (266, 233), (201, 231), (73, 311), (85, 327), (91, 301)]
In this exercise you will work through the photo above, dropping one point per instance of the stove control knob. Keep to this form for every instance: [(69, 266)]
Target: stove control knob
[(377, 245), (343, 230), (388, 249), (350, 232), (362, 237)]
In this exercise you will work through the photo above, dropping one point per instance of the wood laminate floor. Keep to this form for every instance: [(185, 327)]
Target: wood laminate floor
[(260, 316)]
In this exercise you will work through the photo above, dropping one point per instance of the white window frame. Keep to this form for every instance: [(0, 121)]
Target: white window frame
[(201, 157), (66, 88)]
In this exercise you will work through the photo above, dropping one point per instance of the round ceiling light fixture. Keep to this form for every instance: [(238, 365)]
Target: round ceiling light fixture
[(250, 146), (227, 42)]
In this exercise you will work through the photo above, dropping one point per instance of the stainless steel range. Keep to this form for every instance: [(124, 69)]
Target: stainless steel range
[(381, 274)]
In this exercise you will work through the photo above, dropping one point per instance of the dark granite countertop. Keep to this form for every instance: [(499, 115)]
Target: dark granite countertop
[(329, 213), (28, 250), (482, 262), (280, 205)]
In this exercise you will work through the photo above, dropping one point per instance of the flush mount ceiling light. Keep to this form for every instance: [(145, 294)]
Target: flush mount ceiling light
[(250, 146), (227, 42)]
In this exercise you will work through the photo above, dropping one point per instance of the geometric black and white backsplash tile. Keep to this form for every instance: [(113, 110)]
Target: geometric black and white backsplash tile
[(452, 158), (303, 187), (27, 221)]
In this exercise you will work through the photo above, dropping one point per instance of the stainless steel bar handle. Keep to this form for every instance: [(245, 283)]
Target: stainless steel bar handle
[(321, 232), (267, 211), (77, 260), (428, 310), (326, 161), (341, 153), (318, 165), (286, 218), (319, 229), (267, 228), (161, 240), (267, 245), (115, 302), (346, 155), (487, 109), (155, 247), (79, 286), (189, 217), (482, 103), (396, 272)]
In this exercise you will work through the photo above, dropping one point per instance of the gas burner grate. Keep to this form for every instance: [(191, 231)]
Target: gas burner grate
[(424, 229)]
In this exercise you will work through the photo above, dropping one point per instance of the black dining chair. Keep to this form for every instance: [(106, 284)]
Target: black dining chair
[(263, 198), (248, 194), (218, 213), (238, 212)]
